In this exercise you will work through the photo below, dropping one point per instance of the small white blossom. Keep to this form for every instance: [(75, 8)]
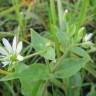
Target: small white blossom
[(11, 53), (88, 37), (66, 11)]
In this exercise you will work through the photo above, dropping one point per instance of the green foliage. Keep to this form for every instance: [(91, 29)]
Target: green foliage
[(69, 67), (43, 44), (31, 88), (56, 59)]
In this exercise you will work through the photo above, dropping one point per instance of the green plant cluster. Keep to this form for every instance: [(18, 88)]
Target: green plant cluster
[(58, 59)]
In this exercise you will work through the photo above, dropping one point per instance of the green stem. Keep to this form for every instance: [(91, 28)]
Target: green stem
[(10, 88), (34, 54), (44, 88), (4, 72), (5, 34)]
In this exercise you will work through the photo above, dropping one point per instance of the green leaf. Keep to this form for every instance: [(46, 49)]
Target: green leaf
[(80, 34), (34, 72), (60, 14), (49, 54), (63, 39), (41, 43), (9, 77), (33, 89), (19, 68), (83, 10), (68, 67), (80, 52), (74, 85), (91, 69)]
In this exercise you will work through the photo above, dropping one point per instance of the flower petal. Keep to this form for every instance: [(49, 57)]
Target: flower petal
[(7, 45), (19, 47), (5, 58), (88, 37), (14, 44), (3, 51), (5, 63), (20, 58)]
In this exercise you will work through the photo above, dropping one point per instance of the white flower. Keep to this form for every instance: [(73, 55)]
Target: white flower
[(66, 11), (11, 53), (88, 37)]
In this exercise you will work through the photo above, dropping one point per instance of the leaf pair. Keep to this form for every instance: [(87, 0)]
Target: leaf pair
[(43, 44)]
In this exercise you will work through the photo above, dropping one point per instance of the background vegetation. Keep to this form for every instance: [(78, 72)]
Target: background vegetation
[(58, 62)]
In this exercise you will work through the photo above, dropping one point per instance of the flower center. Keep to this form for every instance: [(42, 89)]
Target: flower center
[(13, 57)]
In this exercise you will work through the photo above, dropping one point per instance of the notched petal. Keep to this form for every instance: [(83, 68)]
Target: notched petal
[(20, 58), (3, 51), (14, 44), (7, 45), (19, 47), (5, 63)]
